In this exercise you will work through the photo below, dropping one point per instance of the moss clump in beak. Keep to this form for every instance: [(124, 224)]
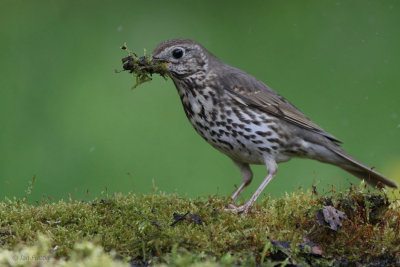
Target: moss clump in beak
[(142, 68)]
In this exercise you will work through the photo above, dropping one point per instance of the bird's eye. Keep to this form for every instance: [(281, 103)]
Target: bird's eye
[(177, 53)]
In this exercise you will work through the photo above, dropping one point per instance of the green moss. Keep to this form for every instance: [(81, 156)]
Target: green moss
[(41, 254), (137, 229), (142, 68)]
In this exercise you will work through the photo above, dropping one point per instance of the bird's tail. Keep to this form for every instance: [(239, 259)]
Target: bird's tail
[(361, 171)]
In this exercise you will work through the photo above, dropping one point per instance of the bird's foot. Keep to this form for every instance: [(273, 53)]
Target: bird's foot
[(246, 208)]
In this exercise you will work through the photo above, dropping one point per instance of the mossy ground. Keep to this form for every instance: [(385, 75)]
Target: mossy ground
[(133, 229)]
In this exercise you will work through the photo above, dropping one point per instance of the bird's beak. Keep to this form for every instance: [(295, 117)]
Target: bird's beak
[(159, 60)]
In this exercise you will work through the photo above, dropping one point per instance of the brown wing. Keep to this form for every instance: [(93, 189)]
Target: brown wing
[(248, 90)]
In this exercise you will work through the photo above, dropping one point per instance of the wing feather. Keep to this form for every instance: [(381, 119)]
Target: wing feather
[(246, 89)]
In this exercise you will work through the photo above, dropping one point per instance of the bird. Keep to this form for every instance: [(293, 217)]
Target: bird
[(246, 120)]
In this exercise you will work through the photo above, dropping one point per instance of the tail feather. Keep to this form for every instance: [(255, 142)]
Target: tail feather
[(361, 171), (373, 178)]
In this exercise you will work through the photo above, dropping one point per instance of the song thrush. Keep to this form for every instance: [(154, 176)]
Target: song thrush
[(248, 121)]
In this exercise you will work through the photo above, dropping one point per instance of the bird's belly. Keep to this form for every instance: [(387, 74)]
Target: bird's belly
[(250, 140), (238, 149), (244, 134), (244, 150)]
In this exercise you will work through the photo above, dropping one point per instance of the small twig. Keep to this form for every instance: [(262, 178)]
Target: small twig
[(179, 217)]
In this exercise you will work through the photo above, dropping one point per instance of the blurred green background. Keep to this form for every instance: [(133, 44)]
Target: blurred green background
[(67, 118)]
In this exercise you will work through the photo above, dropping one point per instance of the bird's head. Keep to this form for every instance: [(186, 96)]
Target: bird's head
[(184, 57)]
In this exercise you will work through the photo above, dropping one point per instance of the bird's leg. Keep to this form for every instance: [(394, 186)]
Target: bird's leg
[(247, 176), (272, 170)]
